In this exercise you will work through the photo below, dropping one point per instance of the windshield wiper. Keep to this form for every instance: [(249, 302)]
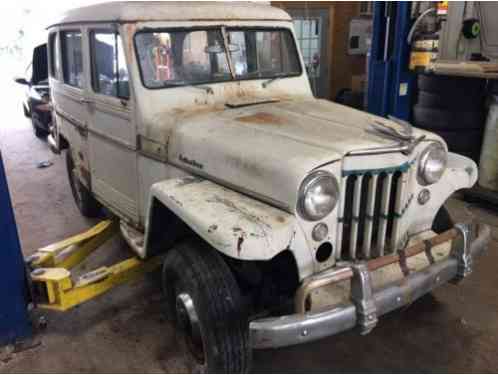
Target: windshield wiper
[(267, 83), (205, 88)]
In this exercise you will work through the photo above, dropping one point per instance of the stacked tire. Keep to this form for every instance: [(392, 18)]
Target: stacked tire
[(453, 108)]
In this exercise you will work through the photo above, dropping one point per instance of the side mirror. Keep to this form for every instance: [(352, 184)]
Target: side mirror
[(21, 81)]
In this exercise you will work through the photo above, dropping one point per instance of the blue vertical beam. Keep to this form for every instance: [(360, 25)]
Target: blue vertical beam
[(376, 70), (390, 83), (14, 319), (404, 79)]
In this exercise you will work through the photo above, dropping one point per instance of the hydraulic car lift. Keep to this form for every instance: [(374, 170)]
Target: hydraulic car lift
[(54, 288), (390, 82)]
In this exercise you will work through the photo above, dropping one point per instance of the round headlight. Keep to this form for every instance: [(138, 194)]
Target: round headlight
[(318, 196), (432, 163)]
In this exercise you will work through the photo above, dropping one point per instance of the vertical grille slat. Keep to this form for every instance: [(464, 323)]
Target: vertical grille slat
[(384, 214), (355, 217), (400, 202), (369, 216), (340, 224)]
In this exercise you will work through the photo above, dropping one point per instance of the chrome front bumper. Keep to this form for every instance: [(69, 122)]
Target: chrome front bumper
[(367, 305)]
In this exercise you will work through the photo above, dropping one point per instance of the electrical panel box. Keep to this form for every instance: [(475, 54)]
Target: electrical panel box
[(360, 31)]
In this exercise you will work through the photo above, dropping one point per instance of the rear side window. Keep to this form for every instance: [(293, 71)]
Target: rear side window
[(51, 49), (109, 70), (54, 56), (72, 58)]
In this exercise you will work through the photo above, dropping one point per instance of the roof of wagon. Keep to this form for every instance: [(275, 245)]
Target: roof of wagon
[(123, 11)]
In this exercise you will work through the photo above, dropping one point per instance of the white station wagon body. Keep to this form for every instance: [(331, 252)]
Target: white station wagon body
[(199, 118), (250, 145)]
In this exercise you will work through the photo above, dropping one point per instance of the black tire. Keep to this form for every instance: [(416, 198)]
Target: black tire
[(493, 87), (195, 272), (451, 86), (86, 203), (39, 132), (442, 101), (441, 119), (462, 141), (442, 221)]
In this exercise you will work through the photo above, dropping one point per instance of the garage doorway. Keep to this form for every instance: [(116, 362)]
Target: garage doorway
[(311, 26)]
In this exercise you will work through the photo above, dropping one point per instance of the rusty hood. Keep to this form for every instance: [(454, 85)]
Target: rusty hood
[(267, 149)]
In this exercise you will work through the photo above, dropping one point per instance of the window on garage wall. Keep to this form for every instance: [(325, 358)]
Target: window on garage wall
[(72, 58), (308, 36), (109, 70)]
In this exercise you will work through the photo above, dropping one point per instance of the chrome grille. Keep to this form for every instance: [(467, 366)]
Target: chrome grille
[(370, 216)]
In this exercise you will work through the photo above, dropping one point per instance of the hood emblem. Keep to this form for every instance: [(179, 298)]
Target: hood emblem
[(404, 136)]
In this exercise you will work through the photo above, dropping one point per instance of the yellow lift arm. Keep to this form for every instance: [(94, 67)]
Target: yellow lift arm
[(53, 286)]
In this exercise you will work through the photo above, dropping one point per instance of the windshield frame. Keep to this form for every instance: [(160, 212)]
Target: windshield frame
[(224, 30)]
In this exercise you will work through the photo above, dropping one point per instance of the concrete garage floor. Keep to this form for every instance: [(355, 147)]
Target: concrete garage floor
[(453, 330)]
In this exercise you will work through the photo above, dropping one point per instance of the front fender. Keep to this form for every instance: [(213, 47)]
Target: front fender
[(461, 173), (235, 224)]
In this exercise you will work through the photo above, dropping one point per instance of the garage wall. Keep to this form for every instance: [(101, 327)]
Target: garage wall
[(342, 67)]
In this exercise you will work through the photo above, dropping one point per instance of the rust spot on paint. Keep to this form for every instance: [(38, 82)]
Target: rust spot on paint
[(240, 241), (261, 118), (130, 29), (85, 174), (280, 219)]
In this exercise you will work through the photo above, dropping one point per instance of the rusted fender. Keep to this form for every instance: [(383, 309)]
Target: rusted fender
[(235, 224)]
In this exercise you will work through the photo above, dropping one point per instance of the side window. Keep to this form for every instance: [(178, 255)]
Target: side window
[(55, 56), (109, 70), (72, 58), (51, 49)]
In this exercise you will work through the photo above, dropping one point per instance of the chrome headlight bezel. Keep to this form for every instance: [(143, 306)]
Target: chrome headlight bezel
[(427, 174), (313, 180)]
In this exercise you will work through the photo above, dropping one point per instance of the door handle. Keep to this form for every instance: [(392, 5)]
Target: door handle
[(85, 101)]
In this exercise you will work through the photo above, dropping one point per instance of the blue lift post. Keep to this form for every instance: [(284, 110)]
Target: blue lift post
[(390, 82), (14, 318)]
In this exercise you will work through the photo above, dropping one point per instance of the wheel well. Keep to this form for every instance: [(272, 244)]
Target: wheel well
[(270, 284), (63, 143), (267, 284), (165, 228)]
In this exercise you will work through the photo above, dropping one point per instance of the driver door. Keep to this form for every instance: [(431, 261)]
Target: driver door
[(111, 126)]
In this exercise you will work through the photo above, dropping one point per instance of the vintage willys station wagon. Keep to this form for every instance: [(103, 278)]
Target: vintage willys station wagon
[(283, 218)]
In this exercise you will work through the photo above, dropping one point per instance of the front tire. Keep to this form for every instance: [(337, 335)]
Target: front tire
[(87, 204), (205, 304)]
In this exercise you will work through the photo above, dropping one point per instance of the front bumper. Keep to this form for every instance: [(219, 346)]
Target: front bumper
[(367, 304)]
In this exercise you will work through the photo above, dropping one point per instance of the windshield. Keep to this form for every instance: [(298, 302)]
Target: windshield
[(183, 57)]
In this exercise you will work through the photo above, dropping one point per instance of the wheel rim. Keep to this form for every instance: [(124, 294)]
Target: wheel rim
[(188, 322)]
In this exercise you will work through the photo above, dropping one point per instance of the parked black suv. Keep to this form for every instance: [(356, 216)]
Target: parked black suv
[(36, 105)]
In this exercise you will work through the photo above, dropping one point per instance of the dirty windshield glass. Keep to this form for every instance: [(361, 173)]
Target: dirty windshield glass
[(179, 58), (188, 57), (263, 53)]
